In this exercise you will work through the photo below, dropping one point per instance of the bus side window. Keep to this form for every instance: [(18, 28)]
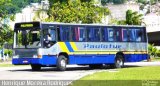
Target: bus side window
[(124, 35), (113, 34), (110, 34), (74, 33), (89, 34), (81, 32), (117, 34), (65, 33), (132, 35), (104, 34), (96, 34), (138, 35), (93, 34), (143, 35), (77, 34), (52, 33)]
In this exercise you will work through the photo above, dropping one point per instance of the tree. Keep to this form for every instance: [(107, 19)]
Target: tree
[(104, 2), (6, 35), (119, 1), (133, 18), (153, 51), (8, 8), (76, 11), (40, 15)]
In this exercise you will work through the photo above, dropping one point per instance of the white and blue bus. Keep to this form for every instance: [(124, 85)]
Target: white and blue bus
[(57, 44)]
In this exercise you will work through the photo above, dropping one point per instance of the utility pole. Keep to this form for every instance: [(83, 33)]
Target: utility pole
[(149, 5)]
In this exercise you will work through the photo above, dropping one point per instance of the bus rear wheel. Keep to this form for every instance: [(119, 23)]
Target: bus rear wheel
[(119, 61), (35, 67), (61, 63)]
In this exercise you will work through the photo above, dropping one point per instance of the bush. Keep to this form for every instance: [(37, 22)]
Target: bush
[(153, 51), (8, 51)]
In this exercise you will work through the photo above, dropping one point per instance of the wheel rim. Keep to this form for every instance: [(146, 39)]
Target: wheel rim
[(63, 63), (119, 63)]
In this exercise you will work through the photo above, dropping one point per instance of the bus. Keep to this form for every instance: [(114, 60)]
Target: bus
[(45, 44)]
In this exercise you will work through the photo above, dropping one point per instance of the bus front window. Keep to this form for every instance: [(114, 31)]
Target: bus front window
[(28, 39)]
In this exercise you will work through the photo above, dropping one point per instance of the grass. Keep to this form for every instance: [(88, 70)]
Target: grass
[(9, 65), (6, 65), (135, 76)]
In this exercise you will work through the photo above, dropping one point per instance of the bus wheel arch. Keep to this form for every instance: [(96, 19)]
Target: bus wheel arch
[(119, 60), (66, 56), (62, 61)]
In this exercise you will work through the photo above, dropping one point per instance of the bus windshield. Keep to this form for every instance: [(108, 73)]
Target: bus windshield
[(28, 39)]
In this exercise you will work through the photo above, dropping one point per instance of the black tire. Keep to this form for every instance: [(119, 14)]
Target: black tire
[(95, 66), (61, 63), (119, 61), (35, 67)]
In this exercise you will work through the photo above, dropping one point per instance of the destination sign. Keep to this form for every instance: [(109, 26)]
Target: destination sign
[(26, 25)]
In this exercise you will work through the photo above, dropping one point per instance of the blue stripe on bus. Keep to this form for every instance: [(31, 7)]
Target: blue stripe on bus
[(69, 47)]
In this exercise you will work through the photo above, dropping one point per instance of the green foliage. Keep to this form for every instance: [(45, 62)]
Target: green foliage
[(104, 2), (142, 1), (8, 9), (76, 11), (8, 51), (133, 18), (147, 2), (153, 51), (6, 35), (119, 1), (121, 22), (117, 22)]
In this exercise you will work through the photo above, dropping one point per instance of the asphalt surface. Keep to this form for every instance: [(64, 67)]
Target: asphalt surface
[(73, 72)]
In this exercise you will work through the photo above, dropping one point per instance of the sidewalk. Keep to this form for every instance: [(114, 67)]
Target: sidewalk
[(6, 62)]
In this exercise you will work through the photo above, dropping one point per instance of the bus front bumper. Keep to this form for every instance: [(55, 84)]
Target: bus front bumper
[(45, 60)]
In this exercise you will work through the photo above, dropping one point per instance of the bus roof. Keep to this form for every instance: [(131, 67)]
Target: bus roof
[(76, 24), (94, 24)]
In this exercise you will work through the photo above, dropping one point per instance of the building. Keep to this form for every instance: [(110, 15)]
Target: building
[(152, 23), (118, 12), (28, 13)]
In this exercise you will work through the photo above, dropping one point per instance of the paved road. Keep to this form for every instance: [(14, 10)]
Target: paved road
[(73, 72)]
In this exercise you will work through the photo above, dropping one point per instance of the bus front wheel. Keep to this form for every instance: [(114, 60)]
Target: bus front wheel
[(61, 63), (35, 67)]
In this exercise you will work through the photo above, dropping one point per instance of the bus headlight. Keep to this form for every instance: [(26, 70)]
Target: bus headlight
[(34, 56), (16, 56)]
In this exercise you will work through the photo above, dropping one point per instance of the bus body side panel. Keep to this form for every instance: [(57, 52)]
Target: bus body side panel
[(91, 59), (49, 60), (135, 57), (102, 53), (104, 59)]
